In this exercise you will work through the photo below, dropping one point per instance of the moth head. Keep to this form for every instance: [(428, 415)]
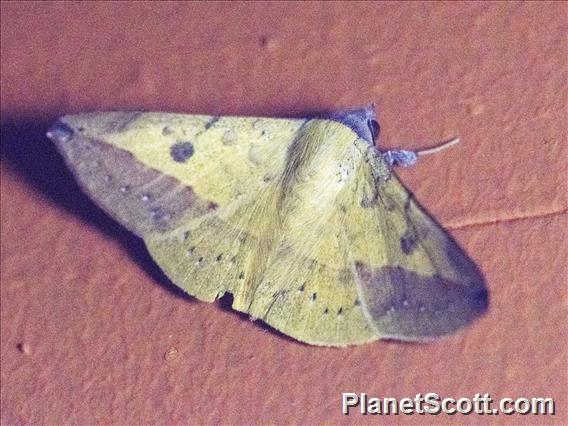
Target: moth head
[(362, 121), (374, 128)]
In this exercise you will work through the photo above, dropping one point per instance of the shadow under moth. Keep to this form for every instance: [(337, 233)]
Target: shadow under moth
[(301, 220)]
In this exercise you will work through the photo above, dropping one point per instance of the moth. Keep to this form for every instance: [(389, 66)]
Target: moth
[(301, 220)]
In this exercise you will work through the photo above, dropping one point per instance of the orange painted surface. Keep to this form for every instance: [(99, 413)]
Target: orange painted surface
[(92, 332)]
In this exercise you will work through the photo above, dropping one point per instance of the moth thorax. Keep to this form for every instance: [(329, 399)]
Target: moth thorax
[(321, 182), (320, 165)]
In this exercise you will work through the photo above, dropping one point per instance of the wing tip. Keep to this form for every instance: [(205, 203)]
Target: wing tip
[(60, 132), (90, 124)]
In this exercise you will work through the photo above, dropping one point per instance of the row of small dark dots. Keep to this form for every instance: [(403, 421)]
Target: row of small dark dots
[(339, 312), (190, 251), (326, 311), (301, 288)]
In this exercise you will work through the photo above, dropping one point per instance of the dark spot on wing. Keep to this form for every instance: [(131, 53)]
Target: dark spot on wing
[(211, 122), (408, 243), (181, 151)]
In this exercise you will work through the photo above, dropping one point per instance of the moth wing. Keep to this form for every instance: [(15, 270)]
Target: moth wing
[(378, 267), (415, 282), (175, 179), (292, 286), (309, 290), (200, 191), (156, 171), (282, 266)]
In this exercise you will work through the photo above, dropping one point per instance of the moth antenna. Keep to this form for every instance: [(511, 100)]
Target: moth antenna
[(439, 148), (404, 158)]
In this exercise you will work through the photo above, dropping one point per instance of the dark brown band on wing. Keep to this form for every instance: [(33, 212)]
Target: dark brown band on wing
[(142, 199), (403, 304)]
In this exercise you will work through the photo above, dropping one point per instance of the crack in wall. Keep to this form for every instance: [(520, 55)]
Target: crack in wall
[(464, 224)]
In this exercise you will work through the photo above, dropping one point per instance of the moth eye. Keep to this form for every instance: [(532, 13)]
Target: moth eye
[(374, 128)]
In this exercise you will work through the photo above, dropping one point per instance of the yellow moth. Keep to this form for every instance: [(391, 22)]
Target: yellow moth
[(301, 220)]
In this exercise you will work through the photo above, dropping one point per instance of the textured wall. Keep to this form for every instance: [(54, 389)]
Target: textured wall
[(92, 332)]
